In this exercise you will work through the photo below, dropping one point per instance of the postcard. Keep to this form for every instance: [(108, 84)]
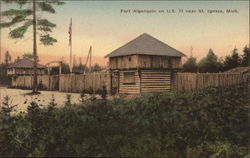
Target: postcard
[(124, 78)]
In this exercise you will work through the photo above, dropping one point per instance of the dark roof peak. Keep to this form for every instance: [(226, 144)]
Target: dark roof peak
[(25, 63), (145, 44)]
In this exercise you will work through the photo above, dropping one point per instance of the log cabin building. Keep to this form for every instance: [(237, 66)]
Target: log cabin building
[(143, 65), (25, 67)]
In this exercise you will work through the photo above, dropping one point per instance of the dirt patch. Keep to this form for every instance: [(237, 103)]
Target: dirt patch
[(21, 98)]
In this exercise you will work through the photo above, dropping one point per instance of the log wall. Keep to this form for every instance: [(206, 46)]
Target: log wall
[(126, 88), (144, 61), (159, 62), (155, 81), (123, 62)]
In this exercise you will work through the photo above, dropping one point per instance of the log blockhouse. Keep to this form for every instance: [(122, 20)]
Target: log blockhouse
[(143, 65), (25, 67)]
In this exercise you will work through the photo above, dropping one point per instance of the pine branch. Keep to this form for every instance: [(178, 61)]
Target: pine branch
[(46, 7), (20, 31), (16, 16), (47, 40), (15, 20), (56, 2), (45, 23), (45, 29), (19, 2), (17, 12)]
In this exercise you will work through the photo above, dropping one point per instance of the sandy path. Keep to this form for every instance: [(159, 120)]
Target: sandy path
[(18, 97)]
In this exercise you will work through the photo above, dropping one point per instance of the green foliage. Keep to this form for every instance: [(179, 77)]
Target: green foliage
[(233, 60), (47, 40), (4, 79), (24, 18), (17, 59), (28, 55), (209, 63), (46, 23), (46, 7), (190, 65), (246, 57), (96, 68), (104, 92), (68, 100), (212, 123), (7, 58), (82, 96), (20, 31), (15, 20), (7, 106), (80, 68), (52, 103), (19, 2), (65, 69), (17, 12)]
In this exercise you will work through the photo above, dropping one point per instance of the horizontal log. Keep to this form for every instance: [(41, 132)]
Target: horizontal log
[(159, 88), (129, 90), (155, 71), (152, 81), (155, 84), (145, 81), (151, 90), (129, 84), (155, 76), (123, 89)]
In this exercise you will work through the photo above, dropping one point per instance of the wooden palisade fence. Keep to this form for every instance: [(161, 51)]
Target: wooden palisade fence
[(198, 81), (66, 83), (94, 82), (45, 82)]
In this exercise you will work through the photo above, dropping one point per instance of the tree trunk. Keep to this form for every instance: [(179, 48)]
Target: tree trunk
[(0, 33), (34, 48)]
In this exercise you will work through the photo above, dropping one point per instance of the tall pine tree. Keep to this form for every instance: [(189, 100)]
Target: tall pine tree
[(209, 63), (21, 19), (190, 65), (246, 56), (233, 60), (7, 58)]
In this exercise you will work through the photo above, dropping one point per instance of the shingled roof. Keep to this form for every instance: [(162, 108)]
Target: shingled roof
[(239, 70), (145, 45), (26, 63)]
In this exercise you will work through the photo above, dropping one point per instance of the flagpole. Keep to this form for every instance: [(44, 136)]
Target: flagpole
[(70, 45), (71, 58)]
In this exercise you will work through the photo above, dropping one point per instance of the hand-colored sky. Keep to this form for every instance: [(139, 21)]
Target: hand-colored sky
[(102, 25)]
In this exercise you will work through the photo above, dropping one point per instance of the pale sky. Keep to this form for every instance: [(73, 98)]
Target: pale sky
[(101, 24)]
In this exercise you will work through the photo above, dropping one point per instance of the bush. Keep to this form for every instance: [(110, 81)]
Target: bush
[(211, 123)]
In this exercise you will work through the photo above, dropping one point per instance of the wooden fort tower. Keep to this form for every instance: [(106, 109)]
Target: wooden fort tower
[(143, 65)]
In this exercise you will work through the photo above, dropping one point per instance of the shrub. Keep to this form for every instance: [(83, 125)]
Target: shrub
[(211, 123)]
